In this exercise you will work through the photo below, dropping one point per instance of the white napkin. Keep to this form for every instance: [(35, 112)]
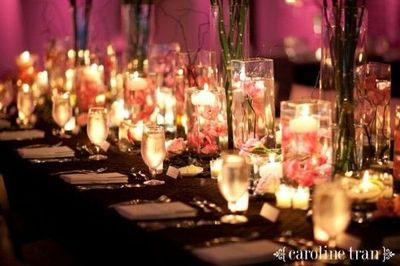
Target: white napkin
[(151, 211), (239, 253), (4, 124), (21, 134), (46, 152), (94, 178)]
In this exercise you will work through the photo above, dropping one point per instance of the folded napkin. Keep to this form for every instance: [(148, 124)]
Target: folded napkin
[(4, 124), (239, 253), (151, 211), (94, 178), (46, 152), (21, 134)]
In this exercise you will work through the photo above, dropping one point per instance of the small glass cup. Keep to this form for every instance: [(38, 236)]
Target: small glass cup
[(153, 151), (331, 210), (233, 184), (62, 112), (97, 130)]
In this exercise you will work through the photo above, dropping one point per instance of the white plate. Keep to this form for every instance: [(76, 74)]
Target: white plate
[(194, 171)]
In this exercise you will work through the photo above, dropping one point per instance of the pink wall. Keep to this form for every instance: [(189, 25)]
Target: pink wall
[(12, 41), (30, 24)]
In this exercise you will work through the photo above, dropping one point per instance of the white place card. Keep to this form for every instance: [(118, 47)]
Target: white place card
[(269, 212), (345, 241), (105, 145), (173, 172)]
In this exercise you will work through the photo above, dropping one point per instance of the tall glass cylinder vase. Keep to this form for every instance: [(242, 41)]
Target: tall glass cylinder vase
[(81, 17), (193, 69), (343, 43), (253, 101), (136, 17), (373, 112), (139, 97), (306, 141), (230, 39), (206, 120)]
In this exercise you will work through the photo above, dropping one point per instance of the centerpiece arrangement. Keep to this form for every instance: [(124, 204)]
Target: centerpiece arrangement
[(178, 109)]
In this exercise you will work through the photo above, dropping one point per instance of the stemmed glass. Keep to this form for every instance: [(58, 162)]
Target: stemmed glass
[(153, 151), (25, 105), (331, 210), (62, 112), (97, 130), (233, 183)]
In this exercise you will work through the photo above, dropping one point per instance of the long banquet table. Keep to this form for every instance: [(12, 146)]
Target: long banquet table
[(83, 221)]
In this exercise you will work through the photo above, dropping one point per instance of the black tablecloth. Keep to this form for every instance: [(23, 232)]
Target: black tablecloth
[(83, 221)]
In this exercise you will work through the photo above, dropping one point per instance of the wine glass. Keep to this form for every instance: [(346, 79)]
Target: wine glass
[(97, 130), (233, 183), (25, 105), (153, 151), (331, 210), (62, 111)]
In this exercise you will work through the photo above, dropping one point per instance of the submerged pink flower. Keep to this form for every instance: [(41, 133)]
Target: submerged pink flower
[(176, 146)]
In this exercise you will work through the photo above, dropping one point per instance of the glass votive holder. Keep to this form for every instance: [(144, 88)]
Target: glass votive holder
[(301, 198), (284, 196), (253, 100), (215, 167), (306, 142)]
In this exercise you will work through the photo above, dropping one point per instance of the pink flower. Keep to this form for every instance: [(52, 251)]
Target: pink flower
[(210, 148), (176, 146)]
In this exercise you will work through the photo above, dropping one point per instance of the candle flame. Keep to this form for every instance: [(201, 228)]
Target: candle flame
[(365, 183), (25, 56), (71, 54), (25, 88)]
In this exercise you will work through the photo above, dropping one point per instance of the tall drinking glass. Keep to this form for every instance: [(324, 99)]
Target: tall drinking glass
[(233, 183), (25, 105), (331, 210), (62, 112), (97, 130), (153, 151)]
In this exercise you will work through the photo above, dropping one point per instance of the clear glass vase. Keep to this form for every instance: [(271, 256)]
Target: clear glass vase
[(230, 39), (253, 101), (306, 142), (343, 49), (373, 112), (207, 128), (136, 17)]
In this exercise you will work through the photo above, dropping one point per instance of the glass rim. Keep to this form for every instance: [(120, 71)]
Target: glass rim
[(97, 109), (154, 128), (254, 59), (306, 101)]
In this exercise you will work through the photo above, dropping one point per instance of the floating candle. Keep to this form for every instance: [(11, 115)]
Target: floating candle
[(136, 82), (304, 123), (215, 167), (204, 97)]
